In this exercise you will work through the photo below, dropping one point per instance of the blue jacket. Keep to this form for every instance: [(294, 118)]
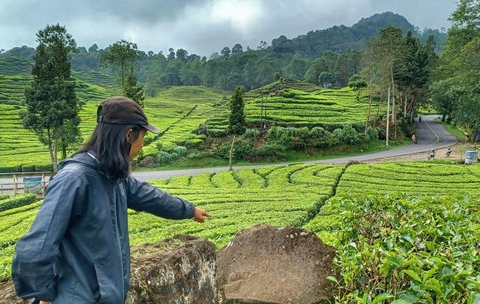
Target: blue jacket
[(77, 250)]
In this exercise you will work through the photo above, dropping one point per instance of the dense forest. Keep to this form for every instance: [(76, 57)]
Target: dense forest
[(325, 57)]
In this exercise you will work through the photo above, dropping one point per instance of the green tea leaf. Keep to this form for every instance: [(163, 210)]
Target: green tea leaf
[(382, 297), (412, 274), (429, 273)]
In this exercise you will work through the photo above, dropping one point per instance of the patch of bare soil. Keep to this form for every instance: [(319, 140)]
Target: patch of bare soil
[(457, 155)]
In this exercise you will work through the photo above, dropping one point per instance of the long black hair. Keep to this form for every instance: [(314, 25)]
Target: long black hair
[(108, 142)]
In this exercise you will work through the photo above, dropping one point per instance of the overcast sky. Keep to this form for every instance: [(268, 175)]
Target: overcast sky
[(200, 26)]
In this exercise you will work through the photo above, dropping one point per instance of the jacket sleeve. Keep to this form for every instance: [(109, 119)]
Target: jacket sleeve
[(142, 196), (33, 267)]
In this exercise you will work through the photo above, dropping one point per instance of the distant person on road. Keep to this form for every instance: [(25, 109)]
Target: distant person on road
[(449, 151), (77, 250), (419, 118), (414, 139)]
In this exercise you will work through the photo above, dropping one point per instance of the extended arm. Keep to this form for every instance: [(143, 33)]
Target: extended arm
[(145, 197)]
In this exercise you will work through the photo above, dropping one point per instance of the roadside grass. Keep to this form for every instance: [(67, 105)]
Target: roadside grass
[(455, 131), (291, 157)]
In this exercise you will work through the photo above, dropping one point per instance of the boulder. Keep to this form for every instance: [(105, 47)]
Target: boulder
[(176, 270), (148, 162), (181, 269), (8, 295), (265, 264)]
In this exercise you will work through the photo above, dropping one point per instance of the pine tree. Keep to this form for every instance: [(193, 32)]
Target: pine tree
[(236, 118), (133, 90), (52, 105)]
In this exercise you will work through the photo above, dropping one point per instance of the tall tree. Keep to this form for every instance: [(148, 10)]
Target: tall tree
[(456, 79), (237, 48), (383, 58), (413, 72), (236, 119), (52, 105), (133, 90), (121, 56)]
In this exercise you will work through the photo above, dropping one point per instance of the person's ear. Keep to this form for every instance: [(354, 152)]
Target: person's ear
[(129, 135)]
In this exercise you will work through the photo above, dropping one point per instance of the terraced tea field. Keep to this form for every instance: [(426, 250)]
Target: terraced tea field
[(301, 195), (177, 112), (328, 108)]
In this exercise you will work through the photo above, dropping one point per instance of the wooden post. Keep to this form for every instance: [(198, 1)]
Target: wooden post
[(15, 184), (43, 184)]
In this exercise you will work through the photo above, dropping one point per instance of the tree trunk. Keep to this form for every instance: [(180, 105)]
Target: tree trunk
[(394, 113), (50, 150), (55, 155), (368, 114), (374, 124), (230, 160)]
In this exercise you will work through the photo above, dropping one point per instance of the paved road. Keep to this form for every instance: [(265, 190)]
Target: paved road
[(431, 136)]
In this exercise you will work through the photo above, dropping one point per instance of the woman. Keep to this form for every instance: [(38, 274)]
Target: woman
[(77, 250)]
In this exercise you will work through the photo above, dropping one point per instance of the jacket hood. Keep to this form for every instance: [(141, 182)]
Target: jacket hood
[(83, 158)]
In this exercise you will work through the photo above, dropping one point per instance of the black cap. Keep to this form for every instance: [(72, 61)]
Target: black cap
[(121, 110)]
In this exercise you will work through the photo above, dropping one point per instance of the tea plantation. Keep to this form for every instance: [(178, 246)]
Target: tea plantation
[(415, 238), (178, 112)]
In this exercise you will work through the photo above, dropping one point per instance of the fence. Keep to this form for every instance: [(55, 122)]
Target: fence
[(24, 182)]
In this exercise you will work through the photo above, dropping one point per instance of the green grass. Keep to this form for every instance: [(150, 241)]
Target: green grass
[(459, 134)]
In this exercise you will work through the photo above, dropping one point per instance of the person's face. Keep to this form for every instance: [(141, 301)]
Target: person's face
[(136, 143)]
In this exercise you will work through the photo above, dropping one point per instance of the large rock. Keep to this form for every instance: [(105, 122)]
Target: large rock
[(181, 269), (8, 295), (177, 270), (272, 265)]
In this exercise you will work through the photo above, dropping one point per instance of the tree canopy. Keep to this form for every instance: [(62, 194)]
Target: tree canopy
[(51, 103)]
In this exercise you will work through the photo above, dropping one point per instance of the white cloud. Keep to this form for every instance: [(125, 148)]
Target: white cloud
[(199, 26)]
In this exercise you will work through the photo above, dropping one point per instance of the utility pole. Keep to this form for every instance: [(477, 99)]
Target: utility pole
[(388, 117)]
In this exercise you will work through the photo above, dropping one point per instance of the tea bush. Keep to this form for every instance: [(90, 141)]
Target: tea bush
[(408, 249)]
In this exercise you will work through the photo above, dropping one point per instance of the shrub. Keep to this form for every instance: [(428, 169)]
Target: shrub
[(372, 134), (148, 161), (252, 133), (242, 149), (319, 137), (10, 169), (200, 154), (217, 132), (44, 168), (413, 250), (193, 142), (348, 135), (271, 150), (180, 150), (28, 168), (288, 94), (148, 139), (164, 157), (17, 201)]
